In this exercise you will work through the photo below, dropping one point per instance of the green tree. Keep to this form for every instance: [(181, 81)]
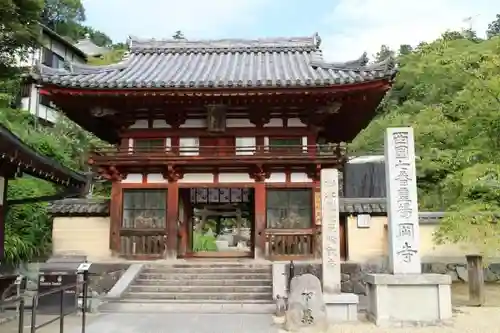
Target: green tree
[(494, 27), (60, 12), (404, 49), (449, 92), (19, 32), (384, 53)]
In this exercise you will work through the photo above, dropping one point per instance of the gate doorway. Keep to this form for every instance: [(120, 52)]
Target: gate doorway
[(217, 222)]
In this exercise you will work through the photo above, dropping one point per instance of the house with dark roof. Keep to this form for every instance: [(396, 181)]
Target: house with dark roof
[(54, 52)]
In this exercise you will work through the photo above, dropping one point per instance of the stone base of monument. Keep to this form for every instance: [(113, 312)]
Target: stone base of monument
[(341, 307), (408, 299)]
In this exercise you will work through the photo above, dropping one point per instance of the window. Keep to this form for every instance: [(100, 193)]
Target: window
[(144, 209), (289, 209), (149, 144), (51, 59), (285, 144)]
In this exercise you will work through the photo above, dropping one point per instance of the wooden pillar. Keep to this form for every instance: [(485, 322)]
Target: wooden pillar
[(172, 175), (3, 212), (476, 280), (260, 218), (172, 218), (115, 216)]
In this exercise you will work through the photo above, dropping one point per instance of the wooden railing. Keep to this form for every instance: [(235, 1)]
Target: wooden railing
[(216, 154), (142, 243), (290, 244)]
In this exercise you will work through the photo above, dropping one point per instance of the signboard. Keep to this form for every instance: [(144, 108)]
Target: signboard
[(363, 220), (50, 304)]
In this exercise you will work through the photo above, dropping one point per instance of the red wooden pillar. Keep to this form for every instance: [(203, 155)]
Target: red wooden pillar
[(260, 217), (172, 211), (3, 211), (115, 216)]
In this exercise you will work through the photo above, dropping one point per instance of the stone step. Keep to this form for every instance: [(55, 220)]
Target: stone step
[(212, 270), (201, 289), (180, 306), (249, 265), (205, 276), (199, 296), (202, 282)]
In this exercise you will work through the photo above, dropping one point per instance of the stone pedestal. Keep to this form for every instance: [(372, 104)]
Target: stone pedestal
[(341, 307), (408, 299)]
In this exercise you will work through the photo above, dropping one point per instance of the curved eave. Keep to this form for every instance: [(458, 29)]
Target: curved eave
[(23, 158), (279, 87)]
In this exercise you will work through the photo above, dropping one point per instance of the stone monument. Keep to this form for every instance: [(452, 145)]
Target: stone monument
[(339, 306), (306, 308), (406, 295)]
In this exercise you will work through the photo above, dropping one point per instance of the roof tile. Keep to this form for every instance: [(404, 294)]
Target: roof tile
[(227, 63), (79, 207)]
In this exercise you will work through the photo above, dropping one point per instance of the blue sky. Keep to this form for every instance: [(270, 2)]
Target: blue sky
[(347, 27)]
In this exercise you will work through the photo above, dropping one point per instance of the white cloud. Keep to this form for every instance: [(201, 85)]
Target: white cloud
[(161, 18), (367, 24)]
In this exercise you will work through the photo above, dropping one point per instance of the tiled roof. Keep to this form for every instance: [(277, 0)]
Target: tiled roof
[(79, 207), (226, 63), (363, 205), (90, 49)]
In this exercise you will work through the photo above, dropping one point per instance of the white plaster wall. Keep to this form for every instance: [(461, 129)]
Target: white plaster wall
[(43, 112), (304, 143), (274, 122), (160, 123), (295, 122), (155, 178), (141, 123), (299, 177), (194, 123), (197, 178), (191, 145), (86, 235), (133, 178), (245, 143), (238, 123), (53, 45), (276, 177), (235, 178)]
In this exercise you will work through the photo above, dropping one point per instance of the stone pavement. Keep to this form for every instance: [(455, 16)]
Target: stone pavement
[(181, 323), (466, 320)]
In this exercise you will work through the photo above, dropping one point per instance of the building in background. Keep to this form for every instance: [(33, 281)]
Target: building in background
[(55, 51)]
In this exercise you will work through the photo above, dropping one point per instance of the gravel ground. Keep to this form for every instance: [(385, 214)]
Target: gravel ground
[(466, 320)]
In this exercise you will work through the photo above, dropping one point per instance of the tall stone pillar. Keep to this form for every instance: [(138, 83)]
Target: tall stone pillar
[(402, 202), (339, 306), (389, 293), (330, 227)]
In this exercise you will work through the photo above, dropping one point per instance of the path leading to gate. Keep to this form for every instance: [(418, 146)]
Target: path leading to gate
[(182, 323), (466, 320)]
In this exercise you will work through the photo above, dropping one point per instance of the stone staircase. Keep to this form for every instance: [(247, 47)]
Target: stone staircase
[(199, 286)]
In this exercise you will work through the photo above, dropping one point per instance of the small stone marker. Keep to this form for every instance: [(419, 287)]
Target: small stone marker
[(330, 231), (306, 307), (402, 205)]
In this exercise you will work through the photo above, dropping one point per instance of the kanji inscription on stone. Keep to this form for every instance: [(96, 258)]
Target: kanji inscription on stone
[(401, 182)]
